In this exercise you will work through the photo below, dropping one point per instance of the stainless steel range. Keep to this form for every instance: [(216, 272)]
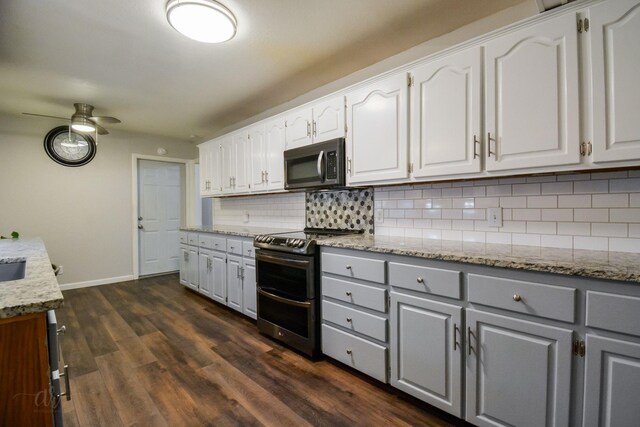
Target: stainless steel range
[(288, 282)]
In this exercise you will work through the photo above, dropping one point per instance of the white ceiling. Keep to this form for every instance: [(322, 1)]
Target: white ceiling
[(123, 57)]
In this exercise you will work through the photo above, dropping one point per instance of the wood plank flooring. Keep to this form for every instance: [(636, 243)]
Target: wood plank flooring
[(152, 353)]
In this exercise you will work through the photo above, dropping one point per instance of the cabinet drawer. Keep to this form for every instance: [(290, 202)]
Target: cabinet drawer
[(355, 320), (613, 312), (193, 239), (356, 267), (247, 249), (234, 246), (218, 243), (553, 302), (425, 279), (184, 237), (356, 352), (205, 241), (355, 293)]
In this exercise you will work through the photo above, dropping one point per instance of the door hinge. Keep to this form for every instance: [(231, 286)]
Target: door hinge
[(585, 148), (409, 80), (579, 348), (583, 25), (388, 302), (388, 372)]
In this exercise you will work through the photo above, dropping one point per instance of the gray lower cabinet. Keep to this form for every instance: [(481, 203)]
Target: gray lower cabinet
[(234, 282), (426, 350), (219, 290), (249, 296), (612, 382), (518, 372), (205, 272), (189, 266)]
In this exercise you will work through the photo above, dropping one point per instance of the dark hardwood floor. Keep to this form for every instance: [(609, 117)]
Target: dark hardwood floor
[(151, 353)]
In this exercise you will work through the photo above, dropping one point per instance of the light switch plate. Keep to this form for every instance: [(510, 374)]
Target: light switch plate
[(494, 217)]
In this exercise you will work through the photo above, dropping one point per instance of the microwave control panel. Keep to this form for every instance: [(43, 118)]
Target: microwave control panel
[(332, 165)]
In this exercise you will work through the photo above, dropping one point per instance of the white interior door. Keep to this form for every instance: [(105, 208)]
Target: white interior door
[(159, 209)]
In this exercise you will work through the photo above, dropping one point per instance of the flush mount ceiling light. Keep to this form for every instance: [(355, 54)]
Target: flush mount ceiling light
[(82, 124), (203, 20)]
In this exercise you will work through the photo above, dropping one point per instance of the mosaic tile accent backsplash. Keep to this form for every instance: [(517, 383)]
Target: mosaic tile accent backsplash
[(341, 209)]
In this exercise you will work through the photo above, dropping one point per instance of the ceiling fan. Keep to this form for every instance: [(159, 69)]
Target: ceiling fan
[(83, 119)]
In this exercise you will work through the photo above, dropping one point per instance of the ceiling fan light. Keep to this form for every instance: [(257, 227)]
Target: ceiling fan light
[(81, 124), (205, 21)]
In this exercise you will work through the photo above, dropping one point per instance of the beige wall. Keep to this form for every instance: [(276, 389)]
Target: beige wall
[(82, 214)]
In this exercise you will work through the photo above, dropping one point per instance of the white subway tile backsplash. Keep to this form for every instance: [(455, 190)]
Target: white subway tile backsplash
[(525, 239), (413, 194), (513, 202), (610, 200), (389, 204), (590, 187), (553, 241), (629, 185), (423, 204), (498, 190), (394, 213), (574, 228), (432, 213), (526, 214), (557, 188), (634, 230), (565, 215), (625, 215), (580, 201), (542, 201), (609, 175), (514, 227), (405, 204), (442, 203), (413, 232), (518, 180), (422, 223), (413, 213), (634, 200), (432, 234), (466, 203), (462, 224), (432, 193), (574, 177), (474, 191), (591, 215), (442, 185), (624, 245), (452, 213), (486, 202), (473, 236), (474, 213), (539, 227), (441, 224), (634, 173), (451, 235), (404, 223), (551, 178), (591, 243), (452, 192), (396, 194), (499, 238), (608, 230), (526, 189)]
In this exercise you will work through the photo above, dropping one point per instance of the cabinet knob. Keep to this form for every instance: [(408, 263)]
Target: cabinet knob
[(517, 298), (348, 293), (348, 267), (349, 352), (349, 319), (420, 280)]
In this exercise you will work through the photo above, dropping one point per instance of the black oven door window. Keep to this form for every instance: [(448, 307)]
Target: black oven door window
[(291, 315), (288, 278)]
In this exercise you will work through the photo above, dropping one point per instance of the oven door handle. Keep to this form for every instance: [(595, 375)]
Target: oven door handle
[(319, 166), (287, 262), (303, 304)]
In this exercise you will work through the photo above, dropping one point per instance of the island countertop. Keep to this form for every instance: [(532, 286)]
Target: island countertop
[(594, 264), (39, 290)]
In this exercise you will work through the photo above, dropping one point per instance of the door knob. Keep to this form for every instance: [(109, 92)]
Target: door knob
[(140, 227)]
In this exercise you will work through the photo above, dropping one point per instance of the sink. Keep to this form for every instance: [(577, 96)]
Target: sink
[(12, 270)]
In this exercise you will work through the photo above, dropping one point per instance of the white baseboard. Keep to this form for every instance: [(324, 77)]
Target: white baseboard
[(98, 282)]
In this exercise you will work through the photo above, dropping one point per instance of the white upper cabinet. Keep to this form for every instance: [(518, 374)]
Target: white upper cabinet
[(319, 122), (209, 168), (227, 165), (615, 65), (240, 158), (532, 110), (377, 130), (257, 153), (275, 145), (445, 115)]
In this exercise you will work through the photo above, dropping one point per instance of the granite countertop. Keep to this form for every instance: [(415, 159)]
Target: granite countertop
[(39, 290), (236, 230), (595, 264)]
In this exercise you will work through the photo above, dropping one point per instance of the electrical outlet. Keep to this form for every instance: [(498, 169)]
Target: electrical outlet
[(494, 217), (379, 216)]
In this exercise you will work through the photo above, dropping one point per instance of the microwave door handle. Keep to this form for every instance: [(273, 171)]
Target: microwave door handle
[(319, 166)]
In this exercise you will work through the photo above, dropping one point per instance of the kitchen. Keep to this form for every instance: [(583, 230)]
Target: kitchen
[(524, 231)]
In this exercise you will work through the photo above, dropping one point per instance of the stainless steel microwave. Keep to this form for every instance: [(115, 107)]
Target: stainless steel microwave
[(315, 166)]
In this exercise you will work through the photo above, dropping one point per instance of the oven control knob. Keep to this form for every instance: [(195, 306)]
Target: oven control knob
[(301, 243), (269, 239), (259, 239)]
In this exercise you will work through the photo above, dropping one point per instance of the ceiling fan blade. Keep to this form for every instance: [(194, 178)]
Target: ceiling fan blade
[(104, 119), (44, 115), (101, 130)]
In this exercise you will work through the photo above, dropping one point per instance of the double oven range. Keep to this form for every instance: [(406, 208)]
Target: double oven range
[(288, 286)]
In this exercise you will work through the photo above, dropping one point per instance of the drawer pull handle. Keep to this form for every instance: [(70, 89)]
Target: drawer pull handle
[(349, 319), (420, 280), (469, 334), (517, 298), (456, 344), (348, 293), (348, 267), (349, 352)]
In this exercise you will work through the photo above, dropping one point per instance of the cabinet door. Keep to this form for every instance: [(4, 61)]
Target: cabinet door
[(241, 162), (298, 132), (612, 382), (215, 180), (219, 277), (184, 265), (234, 282), (518, 372), (426, 350), (205, 167), (445, 115), (377, 128), (615, 62), (532, 111), (328, 119), (193, 268), (204, 273), (257, 155), (227, 165), (275, 137), (249, 297)]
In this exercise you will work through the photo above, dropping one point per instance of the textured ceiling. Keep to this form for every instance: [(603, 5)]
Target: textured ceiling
[(123, 57)]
